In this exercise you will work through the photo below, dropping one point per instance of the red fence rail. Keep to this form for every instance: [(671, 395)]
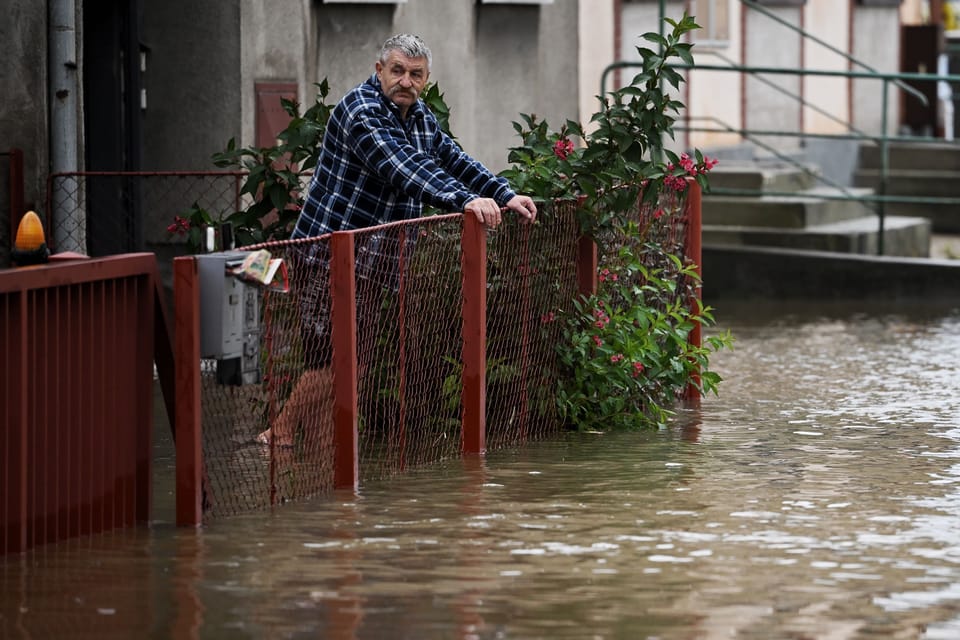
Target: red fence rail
[(76, 391), (439, 349)]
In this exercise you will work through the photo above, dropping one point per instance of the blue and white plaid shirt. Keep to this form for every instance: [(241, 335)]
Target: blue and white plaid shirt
[(375, 167)]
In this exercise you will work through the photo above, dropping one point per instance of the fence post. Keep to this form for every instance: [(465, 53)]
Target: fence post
[(586, 266), (694, 255), (186, 289), (343, 320), (474, 268)]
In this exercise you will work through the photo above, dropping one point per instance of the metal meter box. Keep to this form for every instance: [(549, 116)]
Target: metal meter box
[(229, 319)]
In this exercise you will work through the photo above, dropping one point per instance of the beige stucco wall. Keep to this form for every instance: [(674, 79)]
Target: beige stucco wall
[(828, 96), (714, 98), (597, 50), (877, 42)]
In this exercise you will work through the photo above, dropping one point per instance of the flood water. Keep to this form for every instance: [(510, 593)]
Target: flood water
[(817, 497)]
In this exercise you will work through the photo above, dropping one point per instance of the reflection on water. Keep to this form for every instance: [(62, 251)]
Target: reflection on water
[(817, 497)]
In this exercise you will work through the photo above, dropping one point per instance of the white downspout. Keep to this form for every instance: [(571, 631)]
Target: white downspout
[(67, 219)]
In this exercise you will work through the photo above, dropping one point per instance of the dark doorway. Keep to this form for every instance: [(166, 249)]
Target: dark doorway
[(111, 72)]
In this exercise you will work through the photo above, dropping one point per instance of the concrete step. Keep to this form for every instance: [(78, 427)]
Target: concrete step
[(903, 236), (912, 182), (943, 217), (920, 156), (908, 183), (757, 178), (815, 206)]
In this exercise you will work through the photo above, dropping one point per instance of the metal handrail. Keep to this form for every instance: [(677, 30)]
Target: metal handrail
[(869, 72), (883, 139)]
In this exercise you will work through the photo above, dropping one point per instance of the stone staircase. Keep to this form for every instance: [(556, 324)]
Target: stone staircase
[(786, 208), (917, 169)]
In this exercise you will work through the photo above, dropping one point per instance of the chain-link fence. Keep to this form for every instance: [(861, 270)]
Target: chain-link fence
[(101, 213), (409, 343)]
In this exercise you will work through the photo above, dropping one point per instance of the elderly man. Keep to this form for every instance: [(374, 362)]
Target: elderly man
[(383, 157)]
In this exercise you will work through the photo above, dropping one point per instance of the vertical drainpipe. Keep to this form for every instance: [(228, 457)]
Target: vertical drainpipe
[(68, 224)]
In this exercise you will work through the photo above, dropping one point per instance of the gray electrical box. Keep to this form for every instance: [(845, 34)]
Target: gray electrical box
[(229, 318)]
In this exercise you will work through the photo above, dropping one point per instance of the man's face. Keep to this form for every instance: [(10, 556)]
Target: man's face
[(402, 79)]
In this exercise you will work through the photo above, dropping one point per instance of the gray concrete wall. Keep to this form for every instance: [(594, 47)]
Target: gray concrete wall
[(491, 61), (23, 108), (193, 82), (743, 273)]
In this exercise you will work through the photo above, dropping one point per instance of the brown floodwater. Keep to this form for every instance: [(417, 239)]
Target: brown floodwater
[(817, 497)]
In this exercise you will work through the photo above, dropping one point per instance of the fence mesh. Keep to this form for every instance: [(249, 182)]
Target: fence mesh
[(531, 277), (294, 397), (105, 213), (653, 232), (409, 296)]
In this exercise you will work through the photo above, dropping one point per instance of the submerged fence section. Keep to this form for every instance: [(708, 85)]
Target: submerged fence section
[(76, 391), (396, 346)]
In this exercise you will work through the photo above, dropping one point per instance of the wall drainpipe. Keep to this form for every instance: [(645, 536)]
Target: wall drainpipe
[(67, 222)]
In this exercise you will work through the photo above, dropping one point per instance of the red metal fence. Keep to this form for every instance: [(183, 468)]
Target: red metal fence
[(440, 347), (76, 378)]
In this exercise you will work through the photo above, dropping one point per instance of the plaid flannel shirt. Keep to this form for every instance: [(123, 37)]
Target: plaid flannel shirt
[(375, 167)]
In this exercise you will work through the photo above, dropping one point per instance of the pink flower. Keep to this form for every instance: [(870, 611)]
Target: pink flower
[(616, 358), (180, 226), (597, 341), (637, 369), (677, 183), (605, 275), (562, 148)]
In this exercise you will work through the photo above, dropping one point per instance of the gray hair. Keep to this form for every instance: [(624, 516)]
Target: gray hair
[(409, 45)]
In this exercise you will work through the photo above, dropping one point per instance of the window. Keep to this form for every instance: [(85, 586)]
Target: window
[(714, 18)]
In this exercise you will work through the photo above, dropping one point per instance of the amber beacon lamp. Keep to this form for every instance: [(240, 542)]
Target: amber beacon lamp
[(30, 247)]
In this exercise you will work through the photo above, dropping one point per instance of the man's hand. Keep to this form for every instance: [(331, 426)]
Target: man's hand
[(486, 209), (524, 207)]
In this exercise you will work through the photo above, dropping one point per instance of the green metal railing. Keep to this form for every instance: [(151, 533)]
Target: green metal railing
[(875, 202)]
